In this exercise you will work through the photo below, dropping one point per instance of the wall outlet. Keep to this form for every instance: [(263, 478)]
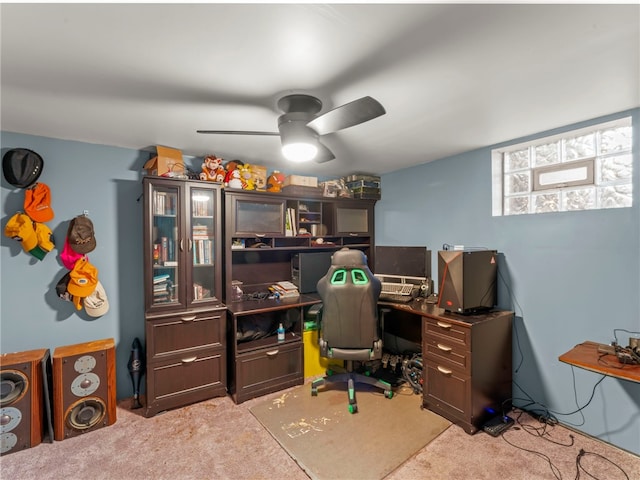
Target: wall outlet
[(458, 247)]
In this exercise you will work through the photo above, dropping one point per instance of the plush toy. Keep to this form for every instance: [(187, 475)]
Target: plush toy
[(275, 181), (246, 175), (230, 167), (233, 179), (212, 169)]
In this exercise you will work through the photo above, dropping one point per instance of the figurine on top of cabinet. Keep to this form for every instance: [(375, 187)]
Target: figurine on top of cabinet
[(246, 175), (212, 169), (230, 167), (275, 181), (233, 179)]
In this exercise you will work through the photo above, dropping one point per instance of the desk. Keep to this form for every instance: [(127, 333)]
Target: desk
[(586, 355), (467, 370), (259, 364)]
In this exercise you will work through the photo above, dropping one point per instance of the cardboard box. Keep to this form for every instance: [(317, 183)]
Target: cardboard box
[(167, 163), (301, 181), (259, 174)]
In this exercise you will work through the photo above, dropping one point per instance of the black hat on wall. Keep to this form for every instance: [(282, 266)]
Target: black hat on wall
[(22, 167)]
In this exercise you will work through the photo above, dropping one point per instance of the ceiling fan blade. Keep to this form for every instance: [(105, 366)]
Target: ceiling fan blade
[(347, 115), (239, 132), (324, 154)]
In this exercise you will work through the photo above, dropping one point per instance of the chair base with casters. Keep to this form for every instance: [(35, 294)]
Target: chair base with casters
[(351, 378)]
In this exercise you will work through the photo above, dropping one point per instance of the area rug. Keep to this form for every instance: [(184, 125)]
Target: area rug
[(328, 442)]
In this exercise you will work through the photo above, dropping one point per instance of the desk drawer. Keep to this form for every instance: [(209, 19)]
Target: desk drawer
[(448, 353), (186, 332), (186, 380), (268, 370), (447, 392), (452, 332)]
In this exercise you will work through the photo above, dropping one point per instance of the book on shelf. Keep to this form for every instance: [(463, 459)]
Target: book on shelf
[(160, 278)]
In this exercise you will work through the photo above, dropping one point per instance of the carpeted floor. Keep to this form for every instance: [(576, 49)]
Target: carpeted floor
[(220, 440), (329, 443)]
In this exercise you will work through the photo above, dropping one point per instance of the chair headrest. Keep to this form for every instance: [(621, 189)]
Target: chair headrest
[(347, 256)]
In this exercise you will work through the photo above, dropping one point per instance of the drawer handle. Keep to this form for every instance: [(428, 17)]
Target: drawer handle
[(272, 353), (353, 234), (444, 348), (260, 235), (193, 359), (444, 325), (446, 371), (188, 319)]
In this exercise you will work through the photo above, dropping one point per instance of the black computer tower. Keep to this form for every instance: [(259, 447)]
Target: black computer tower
[(308, 268), (467, 280)]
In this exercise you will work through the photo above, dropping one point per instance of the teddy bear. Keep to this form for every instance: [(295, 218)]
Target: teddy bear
[(212, 169), (275, 181)]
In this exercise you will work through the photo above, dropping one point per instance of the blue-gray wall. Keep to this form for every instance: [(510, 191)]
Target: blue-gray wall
[(569, 277), (572, 276), (105, 181)]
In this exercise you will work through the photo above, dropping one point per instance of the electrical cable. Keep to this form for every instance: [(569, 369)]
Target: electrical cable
[(555, 470), (580, 467)]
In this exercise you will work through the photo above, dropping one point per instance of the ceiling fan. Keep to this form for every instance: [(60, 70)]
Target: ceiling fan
[(300, 125)]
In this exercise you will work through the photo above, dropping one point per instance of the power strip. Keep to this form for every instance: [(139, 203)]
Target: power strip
[(497, 425)]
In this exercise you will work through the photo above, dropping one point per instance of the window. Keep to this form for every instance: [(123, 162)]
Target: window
[(590, 168)]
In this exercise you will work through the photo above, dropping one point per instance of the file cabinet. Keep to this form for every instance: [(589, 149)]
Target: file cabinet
[(467, 366)]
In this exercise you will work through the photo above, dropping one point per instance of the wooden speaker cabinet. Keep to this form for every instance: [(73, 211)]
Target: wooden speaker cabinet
[(84, 388), (22, 399)]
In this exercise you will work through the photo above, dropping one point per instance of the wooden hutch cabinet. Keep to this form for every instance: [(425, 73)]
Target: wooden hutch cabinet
[(184, 315), (467, 366), (263, 232)]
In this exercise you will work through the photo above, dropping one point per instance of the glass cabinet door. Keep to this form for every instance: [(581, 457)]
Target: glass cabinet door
[(165, 207), (252, 216), (202, 244)]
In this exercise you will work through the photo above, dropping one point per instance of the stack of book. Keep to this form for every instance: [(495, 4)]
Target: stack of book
[(285, 289), (162, 287), (202, 246)]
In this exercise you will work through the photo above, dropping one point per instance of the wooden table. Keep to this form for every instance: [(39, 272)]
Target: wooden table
[(586, 355)]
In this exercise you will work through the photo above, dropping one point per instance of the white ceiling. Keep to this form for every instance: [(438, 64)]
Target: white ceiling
[(452, 77)]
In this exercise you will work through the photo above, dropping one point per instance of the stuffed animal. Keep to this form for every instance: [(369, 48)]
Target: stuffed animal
[(212, 169), (275, 181), (233, 179), (246, 175), (230, 167)]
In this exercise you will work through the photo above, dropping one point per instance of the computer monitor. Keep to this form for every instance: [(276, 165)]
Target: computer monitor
[(402, 261)]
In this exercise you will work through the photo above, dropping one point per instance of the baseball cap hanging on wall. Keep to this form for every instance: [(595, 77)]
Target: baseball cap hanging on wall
[(37, 202), (81, 236), (22, 167), (36, 242)]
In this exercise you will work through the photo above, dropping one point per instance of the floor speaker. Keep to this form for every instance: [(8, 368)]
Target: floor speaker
[(22, 399), (84, 388)]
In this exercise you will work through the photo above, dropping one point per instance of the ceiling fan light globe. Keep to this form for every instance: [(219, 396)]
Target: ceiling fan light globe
[(299, 152)]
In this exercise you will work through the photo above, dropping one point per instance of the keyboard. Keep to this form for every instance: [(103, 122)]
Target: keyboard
[(397, 288), (395, 298)]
